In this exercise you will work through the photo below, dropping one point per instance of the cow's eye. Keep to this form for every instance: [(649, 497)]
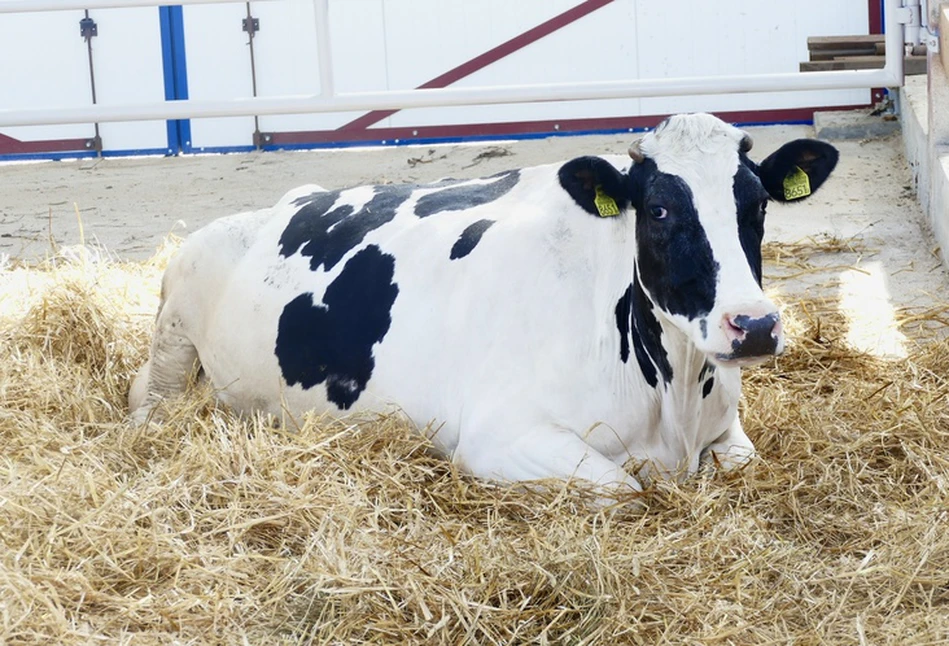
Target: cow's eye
[(658, 212)]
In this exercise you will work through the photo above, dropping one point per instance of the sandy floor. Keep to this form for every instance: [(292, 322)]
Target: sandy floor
[(128, 206)]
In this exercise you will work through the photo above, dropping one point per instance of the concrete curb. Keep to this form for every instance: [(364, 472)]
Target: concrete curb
[(853, 124)]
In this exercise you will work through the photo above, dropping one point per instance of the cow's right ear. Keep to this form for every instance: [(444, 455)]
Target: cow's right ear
[(797, 169), (595, 185)]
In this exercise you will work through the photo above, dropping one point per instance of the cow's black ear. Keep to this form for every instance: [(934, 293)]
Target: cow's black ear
[(797, 169), (595, 185)]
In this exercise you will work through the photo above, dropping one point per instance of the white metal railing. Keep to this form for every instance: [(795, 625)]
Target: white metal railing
[(891, 75)]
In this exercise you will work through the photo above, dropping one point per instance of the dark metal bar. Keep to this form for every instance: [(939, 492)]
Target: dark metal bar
[(252, 25), (88, 29)]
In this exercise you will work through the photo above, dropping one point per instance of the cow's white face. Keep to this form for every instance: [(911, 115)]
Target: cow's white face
[(700, 210), (699, 205)]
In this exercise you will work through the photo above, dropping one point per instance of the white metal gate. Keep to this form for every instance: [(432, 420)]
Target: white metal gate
[(221, 75)]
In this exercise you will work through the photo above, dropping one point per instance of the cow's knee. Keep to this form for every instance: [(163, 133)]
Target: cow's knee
[(732, 450)]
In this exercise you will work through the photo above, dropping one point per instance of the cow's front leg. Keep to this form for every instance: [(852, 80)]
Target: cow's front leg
[(172, 360), (544, 453), (730, 450)]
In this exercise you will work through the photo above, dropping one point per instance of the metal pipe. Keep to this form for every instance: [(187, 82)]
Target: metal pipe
[(88, 32), (911, 29), (893, 40), (26, 6), (400, 99), (324, 54)]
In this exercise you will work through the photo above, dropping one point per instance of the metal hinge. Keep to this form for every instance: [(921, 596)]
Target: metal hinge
[(911, 19), (251, 25), (88, 28)]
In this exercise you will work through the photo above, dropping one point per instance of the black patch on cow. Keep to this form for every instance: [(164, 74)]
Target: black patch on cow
[(674, 256), (327, 235), (580, 177), (623, 321), (707, 387), (707, 369), (636, 322), (703, 327), (647, 337), (469, 239), (750, 202), (332, 341), (467, 196)]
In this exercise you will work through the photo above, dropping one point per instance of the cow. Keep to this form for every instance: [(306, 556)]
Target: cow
[(552, 322)]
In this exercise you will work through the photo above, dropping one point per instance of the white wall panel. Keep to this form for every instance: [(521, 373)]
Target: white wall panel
[(128, 71), (740, 37), (218, 68), (598, 47), (287, 61), (45, 65)]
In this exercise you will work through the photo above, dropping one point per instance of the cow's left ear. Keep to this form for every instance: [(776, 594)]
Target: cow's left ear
[(595, 185), (797, 169)]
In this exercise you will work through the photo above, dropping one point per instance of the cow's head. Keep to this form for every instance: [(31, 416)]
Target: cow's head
[(699, 205)]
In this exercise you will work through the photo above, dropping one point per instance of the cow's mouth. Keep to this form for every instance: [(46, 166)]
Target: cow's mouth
[(743, 361)]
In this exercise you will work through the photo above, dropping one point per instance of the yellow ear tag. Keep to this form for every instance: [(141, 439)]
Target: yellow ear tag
[(605, 205), (796, 185)]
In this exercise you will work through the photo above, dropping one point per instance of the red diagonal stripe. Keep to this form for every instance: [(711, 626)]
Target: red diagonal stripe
[(497, 53)]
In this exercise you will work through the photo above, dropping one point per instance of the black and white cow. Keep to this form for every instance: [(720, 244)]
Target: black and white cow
[(549, 322)]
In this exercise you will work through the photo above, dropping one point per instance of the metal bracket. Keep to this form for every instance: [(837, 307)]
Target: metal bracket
[(94, 144), (262, 139), (931, 40), (908, 15), (88, 28), (250, 25)]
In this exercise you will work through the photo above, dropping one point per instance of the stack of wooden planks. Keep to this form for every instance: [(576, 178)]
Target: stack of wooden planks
[(856, 53)]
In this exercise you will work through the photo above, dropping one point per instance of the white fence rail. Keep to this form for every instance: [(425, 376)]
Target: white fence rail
[(891, 75)]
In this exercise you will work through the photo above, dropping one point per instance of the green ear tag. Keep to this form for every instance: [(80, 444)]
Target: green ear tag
[(605, 205), (796, 185)]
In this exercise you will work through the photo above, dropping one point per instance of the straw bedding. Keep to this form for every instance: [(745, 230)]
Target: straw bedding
[(215, 529)]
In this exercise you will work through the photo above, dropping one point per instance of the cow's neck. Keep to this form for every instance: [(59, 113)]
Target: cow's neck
[(684, 412), (686, 361)]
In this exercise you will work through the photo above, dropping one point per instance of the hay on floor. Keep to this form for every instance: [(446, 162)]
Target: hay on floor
[(218, 529)]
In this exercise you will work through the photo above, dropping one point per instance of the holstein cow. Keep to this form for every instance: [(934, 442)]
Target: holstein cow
[(548, 322)]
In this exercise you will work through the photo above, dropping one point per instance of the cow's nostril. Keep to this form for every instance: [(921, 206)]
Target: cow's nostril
[(733, 327)]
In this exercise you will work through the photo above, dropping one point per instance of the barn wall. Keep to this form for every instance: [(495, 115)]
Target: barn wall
[(402, 44)]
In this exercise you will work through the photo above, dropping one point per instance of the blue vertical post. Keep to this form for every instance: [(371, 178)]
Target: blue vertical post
[(174, 64)]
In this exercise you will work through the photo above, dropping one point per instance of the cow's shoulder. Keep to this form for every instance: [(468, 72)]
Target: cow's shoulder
[(207, 256)]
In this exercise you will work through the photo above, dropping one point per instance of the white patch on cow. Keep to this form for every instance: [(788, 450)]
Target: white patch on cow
[(353, 197)]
